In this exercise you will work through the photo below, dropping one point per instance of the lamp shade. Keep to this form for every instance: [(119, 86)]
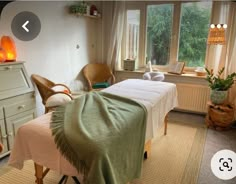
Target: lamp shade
[(2, 55), (217, 34), (8, 45)]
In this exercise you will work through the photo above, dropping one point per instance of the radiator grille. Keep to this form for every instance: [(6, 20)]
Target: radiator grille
[(193, 97)]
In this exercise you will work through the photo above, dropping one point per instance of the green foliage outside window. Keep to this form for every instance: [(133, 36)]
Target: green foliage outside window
[(159, 19), (194, 27), (193, 34)]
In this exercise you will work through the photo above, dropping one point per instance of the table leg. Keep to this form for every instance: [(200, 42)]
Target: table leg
[(147, 149), (38, 173), (165, 122)]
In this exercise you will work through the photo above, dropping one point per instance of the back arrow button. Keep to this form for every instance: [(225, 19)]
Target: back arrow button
[(24, 26)]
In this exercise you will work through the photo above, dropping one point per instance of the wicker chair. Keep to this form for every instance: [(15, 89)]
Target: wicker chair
[(45, 89), (97, 73)]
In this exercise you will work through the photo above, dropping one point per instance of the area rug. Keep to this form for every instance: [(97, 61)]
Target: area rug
[(175, 159)]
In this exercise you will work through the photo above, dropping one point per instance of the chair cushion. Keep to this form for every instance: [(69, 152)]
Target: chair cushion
[(101, 85), (60, 88), (57, 100)]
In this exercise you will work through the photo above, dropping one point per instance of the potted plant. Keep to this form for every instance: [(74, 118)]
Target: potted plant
[(219, 85), (80, 8)]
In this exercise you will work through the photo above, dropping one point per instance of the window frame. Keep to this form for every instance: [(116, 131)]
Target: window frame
[(134, 6), (175, 33)]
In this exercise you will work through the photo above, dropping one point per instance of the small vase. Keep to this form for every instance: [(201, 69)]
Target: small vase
[(218, 97)]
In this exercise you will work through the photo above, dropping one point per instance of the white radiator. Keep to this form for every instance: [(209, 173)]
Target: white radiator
[(193, 97)]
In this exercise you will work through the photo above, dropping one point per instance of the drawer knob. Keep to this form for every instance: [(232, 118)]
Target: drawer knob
[(9, 67), (4, 136), (10, 134), (21, 107)]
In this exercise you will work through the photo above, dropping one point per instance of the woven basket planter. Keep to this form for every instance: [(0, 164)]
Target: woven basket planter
[(220, 117)]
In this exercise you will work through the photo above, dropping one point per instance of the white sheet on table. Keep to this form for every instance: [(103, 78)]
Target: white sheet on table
[(158, 97), (34, 141)]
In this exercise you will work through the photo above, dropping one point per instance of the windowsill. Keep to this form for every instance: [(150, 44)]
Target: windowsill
[(185, 74)]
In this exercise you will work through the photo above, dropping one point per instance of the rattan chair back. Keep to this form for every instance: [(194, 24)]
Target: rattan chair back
[(97, 72), (45, 88)]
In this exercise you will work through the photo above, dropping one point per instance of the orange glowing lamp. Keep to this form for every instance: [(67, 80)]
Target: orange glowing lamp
[(2, 55), (9, 47)]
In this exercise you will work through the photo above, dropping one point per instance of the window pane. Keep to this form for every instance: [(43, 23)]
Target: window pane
[(159, 26), (132, 33), (195, 19)]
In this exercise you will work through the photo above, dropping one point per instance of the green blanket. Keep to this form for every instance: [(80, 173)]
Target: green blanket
[(103, 136)]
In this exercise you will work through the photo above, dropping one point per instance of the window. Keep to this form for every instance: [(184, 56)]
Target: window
[(132, 34), (159, 26), (195, 17), (167, 33)]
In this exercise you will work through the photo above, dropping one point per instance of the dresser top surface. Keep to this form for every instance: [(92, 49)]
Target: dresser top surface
[(12, 63)]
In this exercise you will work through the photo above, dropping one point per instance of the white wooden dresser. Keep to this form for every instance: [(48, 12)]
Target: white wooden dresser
[(17, 102)]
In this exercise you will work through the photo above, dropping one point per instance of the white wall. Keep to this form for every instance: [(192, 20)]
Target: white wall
[(107, 17), (53, 53)]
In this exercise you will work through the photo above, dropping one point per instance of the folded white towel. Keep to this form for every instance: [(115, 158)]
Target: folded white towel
[(154, 76)]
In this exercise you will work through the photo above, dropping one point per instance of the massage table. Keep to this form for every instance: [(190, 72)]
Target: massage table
[(34, 141)]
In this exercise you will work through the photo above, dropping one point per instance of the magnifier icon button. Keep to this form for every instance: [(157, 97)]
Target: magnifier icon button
[(225, 164)]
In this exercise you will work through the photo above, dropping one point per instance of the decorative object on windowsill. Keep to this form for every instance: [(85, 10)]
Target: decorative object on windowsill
[(219, 86), (154, 76), (9, 47), (200, 71), (129, 64), (176, 68), (2, 55), (148, 67), (217, 34)]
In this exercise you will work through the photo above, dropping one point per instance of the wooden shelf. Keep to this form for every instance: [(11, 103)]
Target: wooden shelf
[(89, 16)]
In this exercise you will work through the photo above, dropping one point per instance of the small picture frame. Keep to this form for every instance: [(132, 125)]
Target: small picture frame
[(176, 68)]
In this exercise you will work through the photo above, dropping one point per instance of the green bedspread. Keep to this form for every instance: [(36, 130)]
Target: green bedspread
[(103, 136)]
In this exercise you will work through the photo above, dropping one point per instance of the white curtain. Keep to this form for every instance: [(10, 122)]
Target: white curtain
[(230, 61), (116, 34), (219, 56), (216, 54)]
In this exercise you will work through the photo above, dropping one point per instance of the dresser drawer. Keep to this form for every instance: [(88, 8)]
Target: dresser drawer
[(19, 107), (14, 80)]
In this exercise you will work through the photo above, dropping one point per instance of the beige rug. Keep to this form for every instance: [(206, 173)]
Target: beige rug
[(175, 159)]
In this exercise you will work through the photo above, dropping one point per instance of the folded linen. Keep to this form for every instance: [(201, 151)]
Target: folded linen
[(154, 76)]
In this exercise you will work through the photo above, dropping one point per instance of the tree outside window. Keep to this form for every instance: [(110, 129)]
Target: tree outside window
[(194, 26), (159, 26), (195, 18)]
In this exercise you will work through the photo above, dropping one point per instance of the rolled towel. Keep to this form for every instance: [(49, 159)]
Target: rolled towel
[(147, 76), (154, 76), (158, 77)]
